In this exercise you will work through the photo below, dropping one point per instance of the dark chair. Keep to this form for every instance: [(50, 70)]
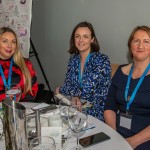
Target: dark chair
[(44, 95)]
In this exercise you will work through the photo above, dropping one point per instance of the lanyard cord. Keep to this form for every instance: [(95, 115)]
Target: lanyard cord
[(136, 88), (81, 74), (9, 75)]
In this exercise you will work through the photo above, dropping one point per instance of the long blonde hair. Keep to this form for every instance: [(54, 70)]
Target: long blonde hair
[(20, 62)]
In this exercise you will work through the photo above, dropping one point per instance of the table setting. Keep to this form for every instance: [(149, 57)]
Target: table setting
[(51, 124), (63, 116), (51, 119), (53, 127)]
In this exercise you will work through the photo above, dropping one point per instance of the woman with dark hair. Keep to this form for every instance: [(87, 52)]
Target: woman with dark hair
[(89, 73), (127, 108)]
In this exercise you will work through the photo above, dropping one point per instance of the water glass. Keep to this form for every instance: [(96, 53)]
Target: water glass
[(1, 122), (63, 108), (43, 143), (77, 122), (13, 92), (55, 120)]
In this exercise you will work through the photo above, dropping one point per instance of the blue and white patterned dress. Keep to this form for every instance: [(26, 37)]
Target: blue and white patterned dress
[(96, 81)]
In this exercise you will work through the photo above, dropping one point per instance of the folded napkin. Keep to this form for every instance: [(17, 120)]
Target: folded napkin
[(63, 98), (49, 113), (44, 109), (41, 105)]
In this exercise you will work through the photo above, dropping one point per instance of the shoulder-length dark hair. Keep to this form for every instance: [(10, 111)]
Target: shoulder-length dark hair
[(143, 28), (94, 45)]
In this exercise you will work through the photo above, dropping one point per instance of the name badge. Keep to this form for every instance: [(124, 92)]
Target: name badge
[(125, 120)]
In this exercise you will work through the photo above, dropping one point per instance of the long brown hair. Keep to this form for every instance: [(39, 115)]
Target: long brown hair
[(94, 45), (19, 61)]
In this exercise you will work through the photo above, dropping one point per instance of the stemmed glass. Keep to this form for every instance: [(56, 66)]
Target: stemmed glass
[(13, 92), (63, 108), (77, 121)]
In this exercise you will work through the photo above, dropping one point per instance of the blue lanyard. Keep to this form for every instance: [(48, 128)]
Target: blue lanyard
[(9, 75), (81, 75), (136, 88)]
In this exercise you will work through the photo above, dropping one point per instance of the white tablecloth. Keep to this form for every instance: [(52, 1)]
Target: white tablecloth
[(117, 142)]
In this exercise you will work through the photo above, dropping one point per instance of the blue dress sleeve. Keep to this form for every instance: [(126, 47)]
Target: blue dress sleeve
[(71, 84), (102, 84)]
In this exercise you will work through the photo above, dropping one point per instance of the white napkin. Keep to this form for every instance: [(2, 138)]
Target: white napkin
[(41, 105), (63, 98), (46, 115), (51, 112)]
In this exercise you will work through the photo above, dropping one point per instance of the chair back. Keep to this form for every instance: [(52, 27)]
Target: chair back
[(114, 68)]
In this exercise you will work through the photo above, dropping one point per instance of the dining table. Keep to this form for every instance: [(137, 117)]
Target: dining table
[(116, 141)]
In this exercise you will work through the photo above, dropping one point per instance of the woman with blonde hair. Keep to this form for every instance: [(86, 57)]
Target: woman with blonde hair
[(14, 68)]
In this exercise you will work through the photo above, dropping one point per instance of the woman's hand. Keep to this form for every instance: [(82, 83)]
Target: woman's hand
[(132, 142), (139, 138), (76, 101), (57, 90)]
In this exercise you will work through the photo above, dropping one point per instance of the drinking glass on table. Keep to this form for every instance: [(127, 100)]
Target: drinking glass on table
[(43, 143), (13, 91), (55, 120), (1, 123), (58, 131), (77, 121), (63, 108)]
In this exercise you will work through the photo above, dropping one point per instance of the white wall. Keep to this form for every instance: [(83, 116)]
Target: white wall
[(54, 20)]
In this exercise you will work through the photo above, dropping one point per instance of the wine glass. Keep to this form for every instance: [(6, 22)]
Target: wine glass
[(42, 143), (77, 121), (13, 92), (63, 108)]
